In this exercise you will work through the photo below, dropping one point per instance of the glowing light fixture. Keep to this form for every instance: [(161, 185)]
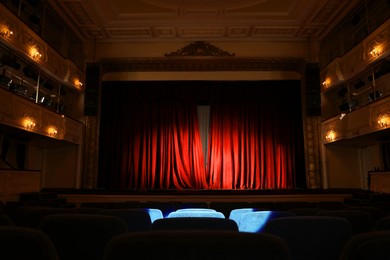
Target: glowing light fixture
[(330, 135), (383, 120), (78, 84), (29, 123), (5, 31), (326, 83), (35, 53), (376, 51), (52, 131)]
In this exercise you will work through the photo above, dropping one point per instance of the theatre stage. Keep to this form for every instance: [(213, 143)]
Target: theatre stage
[(208, 196)]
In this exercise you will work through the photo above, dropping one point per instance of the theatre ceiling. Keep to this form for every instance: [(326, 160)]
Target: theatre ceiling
[(223, 20)]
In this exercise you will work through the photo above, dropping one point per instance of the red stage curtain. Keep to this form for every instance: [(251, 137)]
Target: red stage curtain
[(149, 136), (151, 142), (251, 143)]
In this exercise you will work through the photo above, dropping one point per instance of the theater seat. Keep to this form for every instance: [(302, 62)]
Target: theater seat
[(255, 221), (81, 236), (383, 224), (25, 243), (205, 245), (154, 214), (194, 223), (236, 214), (312, 237), (136, 219), (5, 220), (360, 220), (202, 213), (367, 246)]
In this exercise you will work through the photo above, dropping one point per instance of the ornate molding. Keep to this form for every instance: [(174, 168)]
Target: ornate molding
[(199, 48), (202, 64)]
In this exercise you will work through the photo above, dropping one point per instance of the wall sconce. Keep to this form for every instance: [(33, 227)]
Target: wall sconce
[(326, 83), (376, 51), (29, 123), (78, 84), (330, 135), (383, 120), (5, 32), (52, 131), (35, 53)]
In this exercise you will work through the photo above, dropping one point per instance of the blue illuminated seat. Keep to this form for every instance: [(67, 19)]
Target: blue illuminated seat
[(312, 237), (194, 223), (193, 244), (196, 214), (154, 214), (236, 214), (195, 209), (254, 221)]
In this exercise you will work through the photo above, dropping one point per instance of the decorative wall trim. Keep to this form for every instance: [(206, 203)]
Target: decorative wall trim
[(190, 63)]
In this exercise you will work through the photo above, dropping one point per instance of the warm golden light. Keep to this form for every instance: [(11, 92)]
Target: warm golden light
[(383, 120), (330, 135), (78, 84), (52, 131), (326, 83), (5, 31), (29, 123), (35, 54), (377, 51)]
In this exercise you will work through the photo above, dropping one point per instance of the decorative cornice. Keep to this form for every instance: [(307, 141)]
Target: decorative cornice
[(199, 48), (202, 64)]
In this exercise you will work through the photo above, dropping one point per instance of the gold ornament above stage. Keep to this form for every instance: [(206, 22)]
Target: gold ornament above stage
[(199, 48)]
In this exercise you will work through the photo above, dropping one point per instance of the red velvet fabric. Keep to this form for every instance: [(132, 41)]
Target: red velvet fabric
[(149, 137)]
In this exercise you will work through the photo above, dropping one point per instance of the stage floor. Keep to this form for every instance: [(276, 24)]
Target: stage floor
[(208, 196)]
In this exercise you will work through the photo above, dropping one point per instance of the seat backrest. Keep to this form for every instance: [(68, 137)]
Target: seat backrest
[(383, 224), (6, 220), (367, 246), (194, 223), (376, 213), (312, 237), (196, 214), (205, 245), (227, 206), (136, 219), (81, 236), (166, 207), (154, 214), (236, 214), (254, 221), (25, 243), (360, 220), (32, 216)]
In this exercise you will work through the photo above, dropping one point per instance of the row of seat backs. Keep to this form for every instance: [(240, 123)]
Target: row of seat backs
[(85, 236)]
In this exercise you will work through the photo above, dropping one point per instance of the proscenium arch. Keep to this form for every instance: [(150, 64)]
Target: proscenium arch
[(210, 68)]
